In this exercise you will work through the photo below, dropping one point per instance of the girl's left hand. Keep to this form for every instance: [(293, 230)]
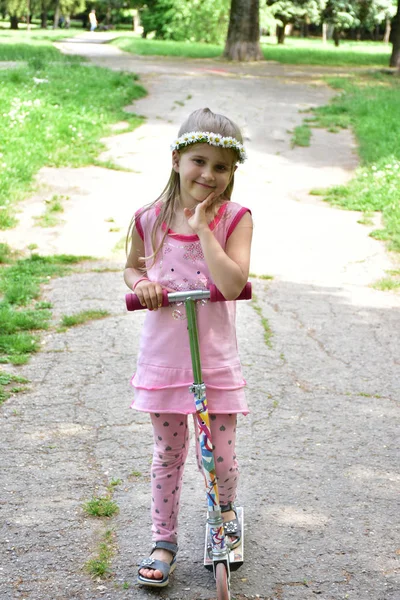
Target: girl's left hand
[(198, 219)]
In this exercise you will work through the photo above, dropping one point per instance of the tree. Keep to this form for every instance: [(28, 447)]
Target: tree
[(341, 14), (16, 9), (295, 11), (285, 12), (243, 40), (181, 20), (372, 13), (395, 39)]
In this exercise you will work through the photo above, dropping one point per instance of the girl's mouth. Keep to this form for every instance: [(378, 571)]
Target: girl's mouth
[(209, 187)]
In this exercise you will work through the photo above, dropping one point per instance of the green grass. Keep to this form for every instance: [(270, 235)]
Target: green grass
[(6, 385), (265, 276), (45, 123), (370, 106), (53, 208), (297, 51), (301, 136), (100, 566), (83, 317), (390, 282), (6, 253), (36, 32), (148, 47), (100, 507), (22, 314), (264, 321), (294, 51)]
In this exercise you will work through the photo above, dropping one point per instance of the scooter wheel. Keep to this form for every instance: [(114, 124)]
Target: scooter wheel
[(221, 578)]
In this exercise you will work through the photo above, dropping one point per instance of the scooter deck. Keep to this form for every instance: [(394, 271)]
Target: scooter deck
[(236, 556)]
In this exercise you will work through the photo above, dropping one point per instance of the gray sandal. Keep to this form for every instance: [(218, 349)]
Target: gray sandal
[(158, 565), (232, 528)]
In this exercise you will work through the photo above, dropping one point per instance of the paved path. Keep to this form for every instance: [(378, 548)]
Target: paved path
[(319, 452)]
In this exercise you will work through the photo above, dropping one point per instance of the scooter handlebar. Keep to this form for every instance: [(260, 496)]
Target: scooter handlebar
[(132, 301)]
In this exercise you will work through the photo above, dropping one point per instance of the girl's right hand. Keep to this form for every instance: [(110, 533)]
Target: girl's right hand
[(149, 294)]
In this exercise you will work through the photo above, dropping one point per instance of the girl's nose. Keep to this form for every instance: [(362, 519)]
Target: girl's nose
[(207, 174)]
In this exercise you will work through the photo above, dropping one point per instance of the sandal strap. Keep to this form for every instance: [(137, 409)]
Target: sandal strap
[(173, 548), (157, 565)]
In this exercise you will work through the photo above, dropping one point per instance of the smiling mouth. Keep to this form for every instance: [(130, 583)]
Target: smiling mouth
[(210, 187)]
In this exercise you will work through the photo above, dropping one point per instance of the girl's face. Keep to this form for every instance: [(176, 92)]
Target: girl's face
[(203, 169)]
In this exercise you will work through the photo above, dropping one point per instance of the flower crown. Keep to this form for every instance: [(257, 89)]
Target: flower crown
[(214, 139)]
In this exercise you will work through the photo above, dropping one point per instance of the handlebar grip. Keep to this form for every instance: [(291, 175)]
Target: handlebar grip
[(132, 301), (216, 296)]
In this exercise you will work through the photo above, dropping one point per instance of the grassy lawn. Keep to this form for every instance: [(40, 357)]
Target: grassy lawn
[(297, 51), (294, 51), (54, 111), (35, 34), (148, 47), (370, 105)]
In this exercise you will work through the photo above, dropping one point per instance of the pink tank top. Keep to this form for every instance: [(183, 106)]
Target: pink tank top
[(164, 360)]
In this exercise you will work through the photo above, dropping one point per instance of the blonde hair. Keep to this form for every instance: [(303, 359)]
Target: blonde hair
[(202, 119)]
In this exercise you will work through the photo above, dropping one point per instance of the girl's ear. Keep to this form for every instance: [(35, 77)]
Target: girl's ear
[(175, 160)]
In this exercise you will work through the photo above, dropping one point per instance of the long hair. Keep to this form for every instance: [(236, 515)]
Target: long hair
[(202, 119)]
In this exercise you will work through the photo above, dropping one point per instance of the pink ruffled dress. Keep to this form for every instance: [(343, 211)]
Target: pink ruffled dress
[(164, 367)]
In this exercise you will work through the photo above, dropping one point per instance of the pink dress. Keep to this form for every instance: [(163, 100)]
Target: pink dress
[(164, 367)]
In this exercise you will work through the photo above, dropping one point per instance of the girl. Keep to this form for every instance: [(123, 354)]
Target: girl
[(190, 237)]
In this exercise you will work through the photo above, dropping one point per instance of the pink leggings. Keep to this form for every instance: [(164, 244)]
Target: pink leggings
[(171, 441)]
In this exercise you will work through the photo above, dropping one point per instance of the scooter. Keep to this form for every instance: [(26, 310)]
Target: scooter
[(218, 556)]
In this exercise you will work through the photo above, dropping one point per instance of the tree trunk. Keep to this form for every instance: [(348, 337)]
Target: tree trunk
[(13, 22), (336, 36), (243, 40), (395, 39), (280, 33), (324, 33), (56, 15), (43, 20), (135, 21), (387, 31)]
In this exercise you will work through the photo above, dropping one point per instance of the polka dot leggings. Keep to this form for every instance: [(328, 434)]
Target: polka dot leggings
[(171, 441)]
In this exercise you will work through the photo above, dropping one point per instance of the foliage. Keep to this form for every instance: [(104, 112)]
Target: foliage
[(287, 11), (192, 20), (374, 12), (342, 14), (19, 8), (267, 20)]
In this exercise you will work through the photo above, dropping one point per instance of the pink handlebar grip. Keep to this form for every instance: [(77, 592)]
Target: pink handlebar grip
[(132, 301), (216, 296)]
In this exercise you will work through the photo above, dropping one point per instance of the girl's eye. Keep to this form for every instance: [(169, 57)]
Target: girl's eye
[(221, 168), (198, 161)]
